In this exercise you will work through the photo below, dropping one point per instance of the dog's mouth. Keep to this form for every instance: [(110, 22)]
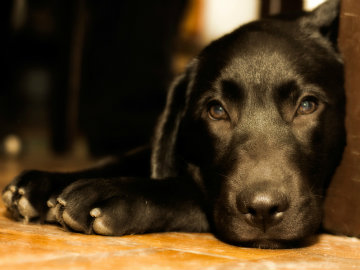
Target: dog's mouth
[(280, 243), (264, 240), (271, 244), (268, 244)]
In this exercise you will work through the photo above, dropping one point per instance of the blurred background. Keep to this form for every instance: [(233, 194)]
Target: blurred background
[(89, 77)]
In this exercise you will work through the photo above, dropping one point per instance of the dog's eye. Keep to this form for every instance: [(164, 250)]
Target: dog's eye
[(307, 106), (217, 112)]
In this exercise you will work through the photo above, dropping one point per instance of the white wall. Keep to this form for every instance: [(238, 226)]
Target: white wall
[(223, 16), (311, 4)]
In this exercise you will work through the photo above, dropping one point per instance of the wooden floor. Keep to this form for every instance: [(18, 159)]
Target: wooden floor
[(49, 247)]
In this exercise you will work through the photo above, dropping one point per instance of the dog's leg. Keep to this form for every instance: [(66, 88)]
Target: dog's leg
[(121, 206), (30, 194)]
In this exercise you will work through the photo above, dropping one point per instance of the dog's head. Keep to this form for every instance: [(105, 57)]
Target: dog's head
[(257, 120)]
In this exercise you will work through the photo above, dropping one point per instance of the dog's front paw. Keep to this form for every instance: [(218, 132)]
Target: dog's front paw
[(21, 196), (99, 206), (27, 195)]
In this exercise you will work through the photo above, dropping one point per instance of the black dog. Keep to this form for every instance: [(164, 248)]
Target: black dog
[(246, 146)]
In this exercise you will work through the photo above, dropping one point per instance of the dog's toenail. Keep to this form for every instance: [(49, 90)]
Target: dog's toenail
[(51, 203), (13, 188), (96, 212), (7, 198), (21, 191), (26, 220), (61, 201)]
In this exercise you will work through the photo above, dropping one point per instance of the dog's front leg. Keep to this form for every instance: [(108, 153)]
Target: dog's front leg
[(28, 195), (121, 206)]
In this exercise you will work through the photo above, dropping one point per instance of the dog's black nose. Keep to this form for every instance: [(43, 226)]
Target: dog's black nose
[(263, 209)]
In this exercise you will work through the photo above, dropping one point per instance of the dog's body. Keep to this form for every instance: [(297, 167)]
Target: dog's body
[(248, 141)]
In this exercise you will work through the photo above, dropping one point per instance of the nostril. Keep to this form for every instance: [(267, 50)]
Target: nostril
[(273, 210), (251, 211)]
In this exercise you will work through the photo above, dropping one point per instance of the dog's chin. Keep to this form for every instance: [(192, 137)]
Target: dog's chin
[(266, 242), (271, 244), (277, 243)]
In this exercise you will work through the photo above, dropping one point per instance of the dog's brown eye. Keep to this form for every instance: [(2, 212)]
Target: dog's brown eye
[(307, 106), (217, 112)]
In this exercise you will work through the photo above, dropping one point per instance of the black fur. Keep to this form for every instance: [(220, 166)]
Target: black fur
[(246, 146)]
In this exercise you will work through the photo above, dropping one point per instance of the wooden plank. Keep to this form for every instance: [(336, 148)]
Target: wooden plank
[(342, 206)]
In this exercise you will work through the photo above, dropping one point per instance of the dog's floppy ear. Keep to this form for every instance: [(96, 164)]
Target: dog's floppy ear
[(164, 162), (324, 19)]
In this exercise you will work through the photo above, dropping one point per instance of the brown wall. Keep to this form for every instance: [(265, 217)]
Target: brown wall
[(342, 206)]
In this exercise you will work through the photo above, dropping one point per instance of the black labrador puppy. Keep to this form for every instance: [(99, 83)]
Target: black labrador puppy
[(245, 148)]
